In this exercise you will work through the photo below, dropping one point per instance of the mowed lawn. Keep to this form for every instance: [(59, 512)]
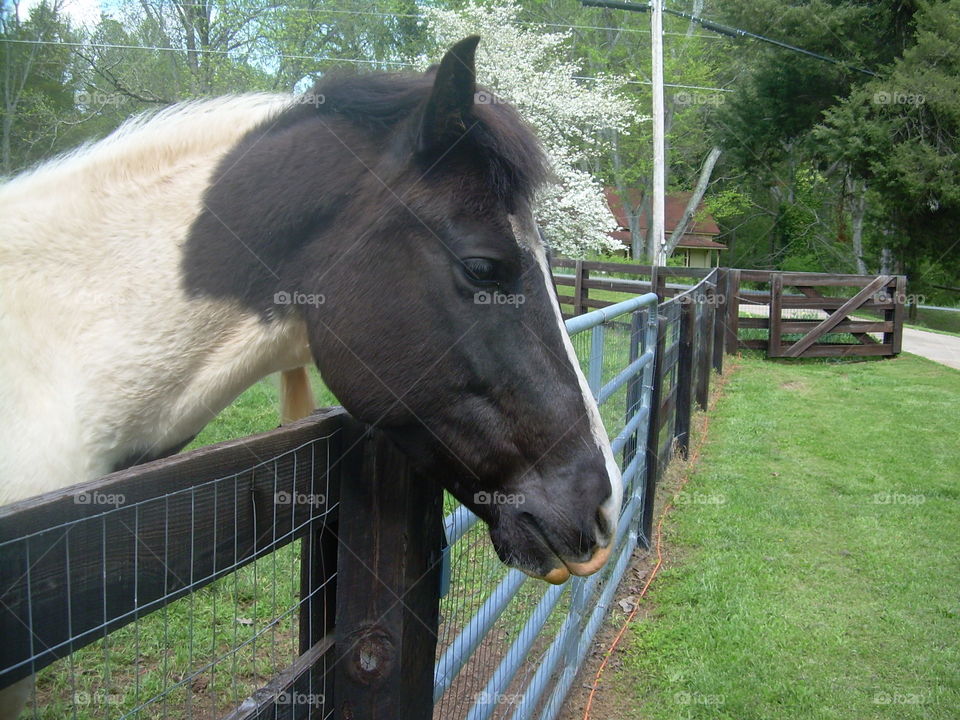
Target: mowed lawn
[(814, 564)]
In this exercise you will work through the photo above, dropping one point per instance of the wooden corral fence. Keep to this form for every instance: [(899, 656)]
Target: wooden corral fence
[(81, 563), (786, 314)]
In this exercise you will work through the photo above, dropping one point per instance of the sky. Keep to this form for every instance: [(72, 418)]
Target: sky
[(81, 12)]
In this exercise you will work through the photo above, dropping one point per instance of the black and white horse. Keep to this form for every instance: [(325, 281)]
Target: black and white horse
[(380, 227)]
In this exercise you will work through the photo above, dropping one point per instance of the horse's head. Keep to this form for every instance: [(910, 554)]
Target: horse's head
[(398, 208), (440, 324)]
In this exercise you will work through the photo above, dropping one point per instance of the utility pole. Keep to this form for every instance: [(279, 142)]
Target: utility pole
[(657, 255)]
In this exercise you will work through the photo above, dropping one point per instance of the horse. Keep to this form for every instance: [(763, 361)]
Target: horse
[(380, 226)]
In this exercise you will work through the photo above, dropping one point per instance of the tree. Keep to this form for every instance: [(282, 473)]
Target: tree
[(529, 69), (900, 134), (34, 84)]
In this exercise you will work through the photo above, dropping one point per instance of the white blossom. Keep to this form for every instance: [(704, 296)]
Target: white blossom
[(528, 69)]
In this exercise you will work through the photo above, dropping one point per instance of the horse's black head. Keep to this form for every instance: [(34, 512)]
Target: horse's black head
[(441, 325), (402, 204)]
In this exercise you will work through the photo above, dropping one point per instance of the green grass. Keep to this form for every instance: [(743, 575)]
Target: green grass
[(939, 320), (818, 578), (256, 410)]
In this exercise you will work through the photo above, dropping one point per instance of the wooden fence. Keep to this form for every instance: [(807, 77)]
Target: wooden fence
[(786, 314)]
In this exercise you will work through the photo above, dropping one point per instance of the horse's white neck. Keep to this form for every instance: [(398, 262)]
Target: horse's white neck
[(104, 355)]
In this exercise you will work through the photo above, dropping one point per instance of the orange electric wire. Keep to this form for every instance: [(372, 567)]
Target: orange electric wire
[(656, 567)]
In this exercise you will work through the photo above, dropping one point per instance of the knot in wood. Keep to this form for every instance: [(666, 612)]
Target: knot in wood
[(372, 656)]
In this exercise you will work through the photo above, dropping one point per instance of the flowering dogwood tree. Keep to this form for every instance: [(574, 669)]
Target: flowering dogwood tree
[(527, 68)]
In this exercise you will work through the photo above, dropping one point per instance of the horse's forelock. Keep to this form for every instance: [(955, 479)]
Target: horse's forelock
[(498, 138)]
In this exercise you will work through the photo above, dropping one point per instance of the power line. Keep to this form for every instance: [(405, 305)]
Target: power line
[(419, 16), (723, 30), (671, 85), (358, 61)]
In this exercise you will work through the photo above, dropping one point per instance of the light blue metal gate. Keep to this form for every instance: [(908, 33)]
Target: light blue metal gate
[(519, 651)]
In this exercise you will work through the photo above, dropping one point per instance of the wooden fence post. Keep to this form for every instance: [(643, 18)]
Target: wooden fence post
[(705, 353), (731, 332), (580, 293), (719, 318), (653, 434), (895, 338), (318, 603), (658, 282), (685, 366), (388, 578), (775, 338), (634, 384)]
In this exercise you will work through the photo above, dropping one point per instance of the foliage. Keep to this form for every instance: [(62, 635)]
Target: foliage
[(901, 132), (36, 97)]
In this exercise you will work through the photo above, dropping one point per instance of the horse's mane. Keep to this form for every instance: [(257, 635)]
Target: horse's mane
[(516, 163)]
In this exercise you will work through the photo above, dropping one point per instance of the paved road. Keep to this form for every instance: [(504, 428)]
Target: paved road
[(944, 349)]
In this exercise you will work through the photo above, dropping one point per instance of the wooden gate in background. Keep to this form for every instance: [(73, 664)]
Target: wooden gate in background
[(834, 315)]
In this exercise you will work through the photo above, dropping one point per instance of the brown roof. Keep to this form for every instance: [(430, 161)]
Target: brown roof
[(700, 234)]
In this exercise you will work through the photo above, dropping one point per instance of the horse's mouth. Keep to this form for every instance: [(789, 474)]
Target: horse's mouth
[(560, 569)]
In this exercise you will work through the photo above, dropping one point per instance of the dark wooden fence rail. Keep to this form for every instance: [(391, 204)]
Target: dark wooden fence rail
[(74, 571)]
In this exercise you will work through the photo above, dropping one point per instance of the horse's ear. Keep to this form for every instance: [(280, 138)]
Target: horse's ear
[(446, 113)]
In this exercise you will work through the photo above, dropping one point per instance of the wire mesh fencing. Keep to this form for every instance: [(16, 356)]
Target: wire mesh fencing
[(242, 581), (164, 594)]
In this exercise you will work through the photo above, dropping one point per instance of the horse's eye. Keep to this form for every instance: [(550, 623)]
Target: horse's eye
[(480, 270)]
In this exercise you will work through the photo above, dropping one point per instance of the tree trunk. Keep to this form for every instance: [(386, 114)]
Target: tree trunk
[(858, 209), (705, 172), (633, 219), (886, 261)]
